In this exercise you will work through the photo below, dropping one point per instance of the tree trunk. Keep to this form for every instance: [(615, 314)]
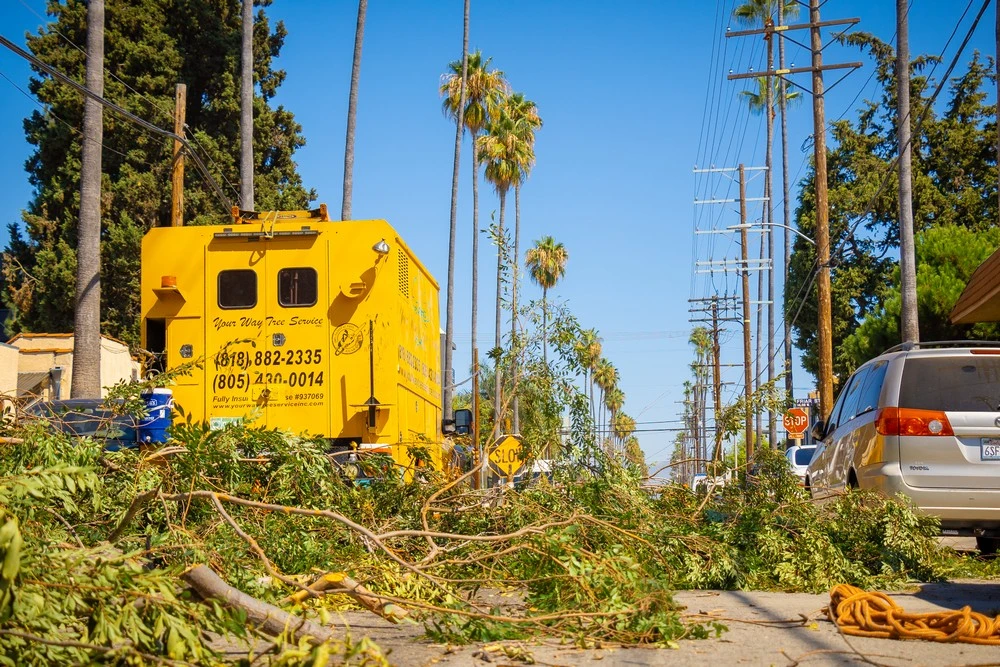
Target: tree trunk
[(246, 110), (270, 619), (352, 112), (907, 261), (86, 382), (514, 343), (449, 337), (475, 253), (498, 375), (787, 221), (545, 327)]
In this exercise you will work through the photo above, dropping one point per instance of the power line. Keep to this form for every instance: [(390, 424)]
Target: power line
[(124, 113)]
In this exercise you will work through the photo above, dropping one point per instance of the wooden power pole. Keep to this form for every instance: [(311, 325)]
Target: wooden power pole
[(825, 327), (177, 178), (716, 380), (745, 278)]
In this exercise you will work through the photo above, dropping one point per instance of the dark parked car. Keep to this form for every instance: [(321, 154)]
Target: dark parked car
[(90, 418)]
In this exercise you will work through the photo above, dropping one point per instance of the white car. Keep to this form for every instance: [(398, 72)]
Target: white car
[(923, 420), (799, 457)]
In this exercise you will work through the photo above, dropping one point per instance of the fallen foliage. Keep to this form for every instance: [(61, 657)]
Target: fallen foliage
[(95, 545)]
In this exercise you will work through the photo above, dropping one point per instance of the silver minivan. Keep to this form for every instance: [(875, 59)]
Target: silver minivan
[(922, 419)]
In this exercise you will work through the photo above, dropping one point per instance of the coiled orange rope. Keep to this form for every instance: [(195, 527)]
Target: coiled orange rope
[(869, 614)]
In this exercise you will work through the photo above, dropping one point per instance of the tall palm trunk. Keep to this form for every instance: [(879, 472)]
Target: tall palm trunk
[(449, 336), (86, 382), (498, 384), (907, 260), (545, 327), (769, 194), (352, 112), (475, 251), (787, 221), (514, 343), (246, 109)]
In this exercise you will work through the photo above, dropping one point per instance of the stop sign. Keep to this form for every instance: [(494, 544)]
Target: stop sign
[(795, 420)]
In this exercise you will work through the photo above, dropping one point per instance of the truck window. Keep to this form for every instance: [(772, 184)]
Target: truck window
[(297, 287), (237, 288)]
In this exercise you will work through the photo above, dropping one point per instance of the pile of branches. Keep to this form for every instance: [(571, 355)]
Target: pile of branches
[(143, 556)]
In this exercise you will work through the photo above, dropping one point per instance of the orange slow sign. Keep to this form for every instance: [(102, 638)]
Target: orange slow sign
[(796, 420), (506, 455)]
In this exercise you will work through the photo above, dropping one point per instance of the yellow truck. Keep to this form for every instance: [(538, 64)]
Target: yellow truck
[(321, 327)]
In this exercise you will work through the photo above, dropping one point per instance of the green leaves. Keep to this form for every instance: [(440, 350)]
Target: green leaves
[(10, 553)]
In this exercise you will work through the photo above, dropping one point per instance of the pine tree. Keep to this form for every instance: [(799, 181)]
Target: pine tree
[(150, 45)]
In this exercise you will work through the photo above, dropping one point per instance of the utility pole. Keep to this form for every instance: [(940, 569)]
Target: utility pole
[(745, 270), (716, 380), (909, 326), (824, 326), (743, 266), (177, 178), (786, 233)]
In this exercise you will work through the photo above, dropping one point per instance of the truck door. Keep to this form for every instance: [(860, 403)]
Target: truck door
[(296, 344), (235, 294)]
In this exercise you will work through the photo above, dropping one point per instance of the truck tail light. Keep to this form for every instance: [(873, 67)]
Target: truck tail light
[(910, 421)]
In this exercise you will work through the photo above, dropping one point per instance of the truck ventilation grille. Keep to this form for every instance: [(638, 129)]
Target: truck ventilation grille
[(404, 273)]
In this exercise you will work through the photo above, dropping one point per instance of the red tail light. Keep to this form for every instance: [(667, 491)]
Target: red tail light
[(910, 421)]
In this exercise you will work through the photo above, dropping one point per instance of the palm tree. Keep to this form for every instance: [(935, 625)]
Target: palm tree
[(449, 338), (507, 156), (702, 342), (483, 90), (614, 399), (623, 426), (547, 264), (757, 99), (524, 113), (246, 109), (764, 13), (588, 353), (606, 378), (86, 381), (787, 216), (352, 112)]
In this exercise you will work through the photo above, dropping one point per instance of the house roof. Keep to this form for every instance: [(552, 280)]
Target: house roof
[(980, 301)]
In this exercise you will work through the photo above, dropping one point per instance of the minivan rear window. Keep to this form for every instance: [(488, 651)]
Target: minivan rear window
[(804, 457), (953, 384)]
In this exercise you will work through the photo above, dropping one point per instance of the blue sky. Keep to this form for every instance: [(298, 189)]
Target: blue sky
[(633, 95)]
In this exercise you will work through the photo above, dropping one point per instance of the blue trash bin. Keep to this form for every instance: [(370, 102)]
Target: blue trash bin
[(159, 406)]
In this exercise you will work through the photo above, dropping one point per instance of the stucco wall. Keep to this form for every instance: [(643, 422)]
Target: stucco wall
[(41, 352)]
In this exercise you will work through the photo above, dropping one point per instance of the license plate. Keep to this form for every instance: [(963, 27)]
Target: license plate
[(989, 449)]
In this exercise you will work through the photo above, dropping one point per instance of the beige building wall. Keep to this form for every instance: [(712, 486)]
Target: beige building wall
[(8, 378), (42, 352)]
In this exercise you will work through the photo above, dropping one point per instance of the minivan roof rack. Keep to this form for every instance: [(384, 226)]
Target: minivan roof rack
[(911, 345)]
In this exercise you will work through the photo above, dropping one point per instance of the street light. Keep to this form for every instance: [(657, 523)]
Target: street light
[(772, 224)]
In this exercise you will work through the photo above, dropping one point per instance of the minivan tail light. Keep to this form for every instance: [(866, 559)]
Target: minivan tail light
[(910, 421)]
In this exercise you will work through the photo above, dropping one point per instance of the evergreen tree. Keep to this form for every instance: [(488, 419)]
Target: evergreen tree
[(954, 184), (150, 45)]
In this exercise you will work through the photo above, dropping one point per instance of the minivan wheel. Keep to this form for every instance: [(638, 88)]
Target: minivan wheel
[(852, 480), (987, 545)]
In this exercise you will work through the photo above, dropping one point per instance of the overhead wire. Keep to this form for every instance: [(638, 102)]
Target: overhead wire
[(48, 69)]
